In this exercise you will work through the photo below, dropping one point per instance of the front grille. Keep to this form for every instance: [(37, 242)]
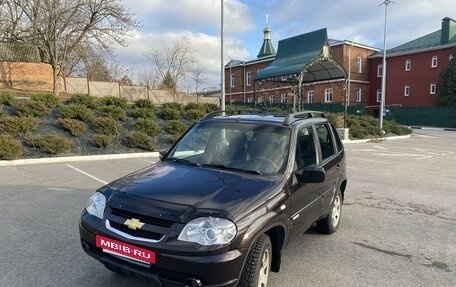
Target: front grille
[(137, 233), (142, 218)]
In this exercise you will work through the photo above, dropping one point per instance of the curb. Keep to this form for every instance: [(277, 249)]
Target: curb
[(376, 139), (18, 162), (433, 129)]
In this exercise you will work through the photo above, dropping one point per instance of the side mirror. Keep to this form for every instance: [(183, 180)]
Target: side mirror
[(311, 174), (162, 153)]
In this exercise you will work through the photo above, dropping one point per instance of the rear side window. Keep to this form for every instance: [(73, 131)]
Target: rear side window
[(339, 144), (326, 140)]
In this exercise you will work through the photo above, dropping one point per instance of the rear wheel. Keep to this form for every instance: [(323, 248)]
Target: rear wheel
[(330, 223), (258, 265)]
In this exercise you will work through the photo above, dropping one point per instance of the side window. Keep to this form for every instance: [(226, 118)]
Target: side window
[(339, 144), (306, 154), (326, 140)]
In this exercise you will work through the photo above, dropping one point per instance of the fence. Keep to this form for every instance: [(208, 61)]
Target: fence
[(424, 116), (132, 93)]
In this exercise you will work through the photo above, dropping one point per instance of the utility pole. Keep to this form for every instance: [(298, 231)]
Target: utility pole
[(382, 101), (222, 84)]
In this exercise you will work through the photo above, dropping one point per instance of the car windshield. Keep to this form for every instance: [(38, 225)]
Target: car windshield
[(248, 148)]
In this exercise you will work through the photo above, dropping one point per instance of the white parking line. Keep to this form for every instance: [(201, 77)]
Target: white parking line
[(380, 147), (87, 174)]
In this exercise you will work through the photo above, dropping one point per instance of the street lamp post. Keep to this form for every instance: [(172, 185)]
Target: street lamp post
[(382, 101), (222, 84)]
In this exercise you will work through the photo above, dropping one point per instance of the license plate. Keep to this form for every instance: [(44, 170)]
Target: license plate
[(125, 250)]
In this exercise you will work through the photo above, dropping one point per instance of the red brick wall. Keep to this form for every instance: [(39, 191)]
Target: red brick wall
[(419, 78)]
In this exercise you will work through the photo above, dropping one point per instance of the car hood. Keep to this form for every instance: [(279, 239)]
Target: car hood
[(178, 192)]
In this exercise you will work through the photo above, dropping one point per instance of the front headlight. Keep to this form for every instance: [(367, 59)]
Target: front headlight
[(208, 231), (96, 205)]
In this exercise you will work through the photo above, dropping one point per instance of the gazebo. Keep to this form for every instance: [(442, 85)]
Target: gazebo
[(303, 59)]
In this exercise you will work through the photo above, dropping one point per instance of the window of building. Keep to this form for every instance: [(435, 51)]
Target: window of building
[(434, 62), (408, 65), (432, 88), (328, 95), (283, 98), (260, 100), (249, 100), (233, 80), (450, 57), (359, 64), (379, 95), (406, 90), (358, 95), (310, 97), (271, 100), (379, 70), (249, 78)]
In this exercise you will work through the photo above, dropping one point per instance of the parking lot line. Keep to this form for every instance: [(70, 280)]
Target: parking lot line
[(87, 174)]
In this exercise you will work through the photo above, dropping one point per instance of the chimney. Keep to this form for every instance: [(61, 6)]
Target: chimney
[(448, 30)]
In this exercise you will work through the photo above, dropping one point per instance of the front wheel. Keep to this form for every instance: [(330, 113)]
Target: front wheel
[(258, 265), (330, 223)]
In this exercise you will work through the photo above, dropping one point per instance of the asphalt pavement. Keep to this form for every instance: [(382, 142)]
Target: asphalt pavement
[(397, 226)]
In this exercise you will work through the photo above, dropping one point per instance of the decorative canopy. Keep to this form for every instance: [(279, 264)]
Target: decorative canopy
[(304, 58)]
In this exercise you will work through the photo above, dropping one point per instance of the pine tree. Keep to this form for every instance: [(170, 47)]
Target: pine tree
[(168, 83), (446, 87)]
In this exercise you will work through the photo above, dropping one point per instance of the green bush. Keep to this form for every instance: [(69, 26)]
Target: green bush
[(106, 126), (175, 127), (113, 112), (211, 107), (10, 148), (194, 115), (18, 125), (7, 99), (144, 103), (50, 100), (113, 101), (138, 139), (102, 141), (169, 113), (86, 100), (50, 144), (77, 112), (147, 126), (145, 113), (390, 126), (75, 127), (30, 108), (195, 106)]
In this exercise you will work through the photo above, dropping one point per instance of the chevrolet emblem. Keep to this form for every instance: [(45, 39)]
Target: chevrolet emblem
[(133, 223)]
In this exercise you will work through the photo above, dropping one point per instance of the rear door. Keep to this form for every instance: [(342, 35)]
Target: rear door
[(330, 161), (304, 202)]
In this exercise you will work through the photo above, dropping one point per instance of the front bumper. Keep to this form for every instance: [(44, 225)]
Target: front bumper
[(171, 268)]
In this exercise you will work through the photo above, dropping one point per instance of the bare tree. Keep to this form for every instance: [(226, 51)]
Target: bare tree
[(62, 27), (196, 74), (172, 62), (147, 78)]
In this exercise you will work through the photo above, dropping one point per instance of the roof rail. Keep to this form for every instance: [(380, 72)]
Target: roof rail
[(291, 118), (232, 112)]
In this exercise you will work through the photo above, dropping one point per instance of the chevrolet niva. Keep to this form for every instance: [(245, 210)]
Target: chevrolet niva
[(221, 204)]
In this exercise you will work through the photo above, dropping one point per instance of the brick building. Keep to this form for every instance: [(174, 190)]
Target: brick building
[(412, 69), (241, 85)]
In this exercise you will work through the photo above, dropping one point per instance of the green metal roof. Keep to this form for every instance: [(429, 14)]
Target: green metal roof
[(431, 40), (304, 54), (267, 49)]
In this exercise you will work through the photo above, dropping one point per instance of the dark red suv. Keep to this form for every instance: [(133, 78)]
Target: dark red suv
[(220, 206)]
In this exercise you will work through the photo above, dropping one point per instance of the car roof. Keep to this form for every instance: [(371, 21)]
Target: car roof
[(261, 117)]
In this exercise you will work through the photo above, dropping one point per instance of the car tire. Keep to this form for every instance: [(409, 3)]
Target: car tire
[(257, 268), (331, 222)]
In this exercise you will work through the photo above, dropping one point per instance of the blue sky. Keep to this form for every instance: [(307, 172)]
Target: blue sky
[(244, 20)]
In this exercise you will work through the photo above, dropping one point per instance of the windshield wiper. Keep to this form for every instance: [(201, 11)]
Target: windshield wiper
[(231, 168), (182, 160)]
